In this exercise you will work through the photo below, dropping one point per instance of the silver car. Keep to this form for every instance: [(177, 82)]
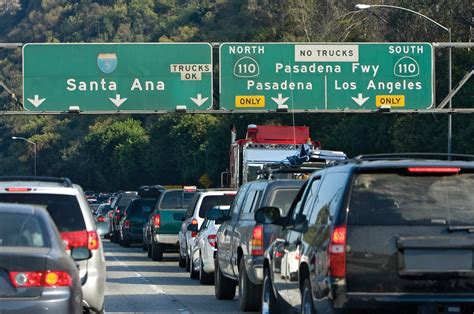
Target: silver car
[(70, 211), (203, 248)]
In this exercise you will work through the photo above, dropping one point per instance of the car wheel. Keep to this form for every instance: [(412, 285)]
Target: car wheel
[(187, 263), (112, 237), (269, 302), (182, 261), (148, 250), (156, 251), (125, 242), (307, 305), (224, 287), (205, 278), (192, 273), (249, 293), (144, 246)]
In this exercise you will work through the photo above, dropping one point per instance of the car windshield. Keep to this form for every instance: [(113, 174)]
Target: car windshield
[(396, 199), (64, 209), (22, 230), (210, 201)]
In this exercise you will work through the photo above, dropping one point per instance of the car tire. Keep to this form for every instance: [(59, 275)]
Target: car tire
[(182, 261), (224, 288), (307, 304), (249, 293), (144, 246), (187, 264), (269, 303), (192, 273), (205, 278), (112, 237), (149, 250), (156, 251), (125, 243)]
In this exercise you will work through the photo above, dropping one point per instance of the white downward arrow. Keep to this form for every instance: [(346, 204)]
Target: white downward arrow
[(117, 100), (36, 101), (280, 101), (360, 100), (199, 100)]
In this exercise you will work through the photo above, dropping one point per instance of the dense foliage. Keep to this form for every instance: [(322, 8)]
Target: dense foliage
[(112, 152)]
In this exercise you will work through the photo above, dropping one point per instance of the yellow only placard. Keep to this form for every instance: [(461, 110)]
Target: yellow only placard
[(249, 101), (390, 100)]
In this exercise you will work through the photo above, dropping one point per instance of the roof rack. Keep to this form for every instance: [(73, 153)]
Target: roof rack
[(424, 156), (61, 180)]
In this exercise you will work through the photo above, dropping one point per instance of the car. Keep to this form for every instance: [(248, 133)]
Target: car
[(102, 219), (36, 273), (377, 232), (162, 227), (135, 216), (203, 248), (195, 214), (241, 242), (68, 207), (152, 193), (119, 205)]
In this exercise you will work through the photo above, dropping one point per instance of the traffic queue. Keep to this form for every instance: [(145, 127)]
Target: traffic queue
[(376, 233)]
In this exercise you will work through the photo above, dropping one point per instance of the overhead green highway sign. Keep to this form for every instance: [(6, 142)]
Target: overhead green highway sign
[(117, 77), (326, 76)]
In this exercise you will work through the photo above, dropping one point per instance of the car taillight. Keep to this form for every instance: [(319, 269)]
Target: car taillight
[(257, 241), (48, 278), (111, 214), (194, 222), (156, 221), (126, 224), (101, 219), (87, 239), (434, 169), (337, 252), (212, 239)]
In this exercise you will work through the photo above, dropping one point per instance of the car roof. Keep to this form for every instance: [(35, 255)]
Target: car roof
[(19, 208), (270, 184), (40, 187), (400, 163)]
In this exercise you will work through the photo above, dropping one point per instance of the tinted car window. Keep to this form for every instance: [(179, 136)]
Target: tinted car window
[(328, 198), (192, 205), (172, 199), (214, 200), (103, 209), (64, 209), (283, 198), (395, 199), (22, 230), (141, 208)]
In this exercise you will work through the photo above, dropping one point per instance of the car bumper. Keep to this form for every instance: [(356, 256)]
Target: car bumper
[(57, 300), (254, 268), (133, 237), (166, 239)]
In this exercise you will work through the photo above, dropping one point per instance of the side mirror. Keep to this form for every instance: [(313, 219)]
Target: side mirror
[(268, 215), (80, 253), (178, 216), (300, 223), (192, 228)]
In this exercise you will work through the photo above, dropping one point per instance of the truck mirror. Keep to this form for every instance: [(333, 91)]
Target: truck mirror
[(268, 215), (80, 253)]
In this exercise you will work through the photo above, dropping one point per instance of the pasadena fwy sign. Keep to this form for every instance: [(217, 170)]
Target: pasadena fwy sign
[(326, 76), (253, 76), (113, 77)]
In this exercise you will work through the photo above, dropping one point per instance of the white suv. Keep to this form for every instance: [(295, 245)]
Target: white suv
[(199, 205), (67, 205)]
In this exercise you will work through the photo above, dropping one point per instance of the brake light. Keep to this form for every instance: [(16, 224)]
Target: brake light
[(101, 219), (111, 214), (156, 221), (337, 252), (212, 239), (48, 278), (257, 241), (434, 169), (126, 224), (230, 193), (13, 189), (87, 239), (117, 211), (194, 222)]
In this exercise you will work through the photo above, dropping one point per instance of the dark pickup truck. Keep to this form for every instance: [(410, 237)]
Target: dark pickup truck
[(241, 242)]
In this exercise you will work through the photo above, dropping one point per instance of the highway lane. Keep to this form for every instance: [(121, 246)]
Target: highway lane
[(137, 284)]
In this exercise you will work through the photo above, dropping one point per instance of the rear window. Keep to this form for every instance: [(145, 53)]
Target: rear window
[(283, 198), (103, 209), (64, 209), (395, 199), (210, 201), (141, 208), (176, 199), (22, 230)]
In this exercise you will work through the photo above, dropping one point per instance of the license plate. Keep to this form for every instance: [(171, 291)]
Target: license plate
[(432, 260)]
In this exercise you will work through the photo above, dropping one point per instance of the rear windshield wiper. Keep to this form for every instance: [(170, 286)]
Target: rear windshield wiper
[(461, 228)]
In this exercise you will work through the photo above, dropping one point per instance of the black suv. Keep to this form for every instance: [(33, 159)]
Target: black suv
[(241, 242), (377, 232)]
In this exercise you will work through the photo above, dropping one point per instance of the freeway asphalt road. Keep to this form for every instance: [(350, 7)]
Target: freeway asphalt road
[(137, 284)]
